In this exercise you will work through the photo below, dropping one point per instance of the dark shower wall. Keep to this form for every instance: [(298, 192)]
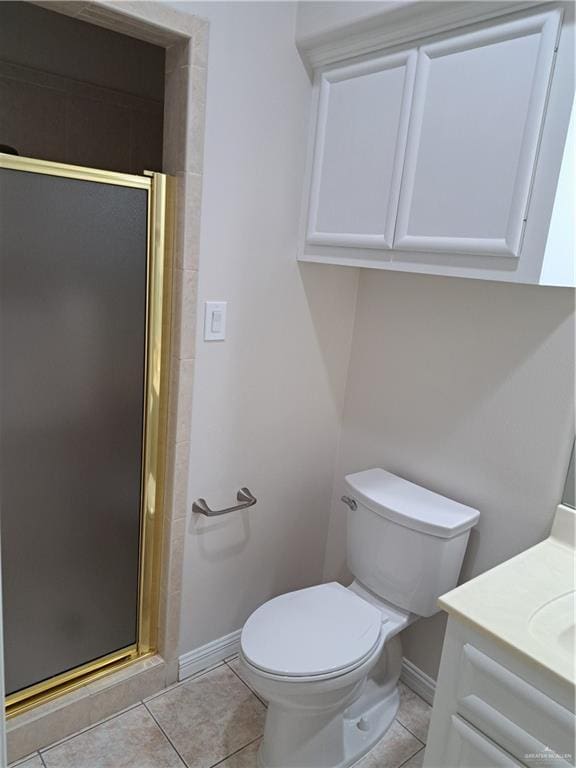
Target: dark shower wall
[(75, 93)]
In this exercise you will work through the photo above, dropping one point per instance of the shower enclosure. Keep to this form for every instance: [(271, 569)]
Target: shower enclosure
[(84, 323)]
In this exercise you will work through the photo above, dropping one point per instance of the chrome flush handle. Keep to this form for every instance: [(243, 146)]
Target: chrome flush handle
[(350, 502)]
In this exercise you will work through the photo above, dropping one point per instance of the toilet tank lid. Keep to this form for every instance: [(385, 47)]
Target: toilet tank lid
[(410, 505)]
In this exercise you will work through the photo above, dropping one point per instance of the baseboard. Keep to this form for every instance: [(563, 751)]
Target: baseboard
[(207, 655), (418, 681)]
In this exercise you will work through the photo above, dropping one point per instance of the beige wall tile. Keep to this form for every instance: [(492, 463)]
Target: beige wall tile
[(200, 47), (179, 54), (195, 125), (116, 692), (172, 672), (184, 404), (170, 605), (188, 208), (180, 492), (184, 308), (47, 723), (197, 84)]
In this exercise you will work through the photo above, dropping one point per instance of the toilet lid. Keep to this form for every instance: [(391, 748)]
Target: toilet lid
[(313, 631)]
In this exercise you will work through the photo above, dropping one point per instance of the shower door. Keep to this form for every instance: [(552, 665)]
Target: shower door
[(83, 297)]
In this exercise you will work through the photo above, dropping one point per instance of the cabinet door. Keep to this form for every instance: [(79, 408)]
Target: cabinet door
[(359, 150), (467, 748), (479, 104)]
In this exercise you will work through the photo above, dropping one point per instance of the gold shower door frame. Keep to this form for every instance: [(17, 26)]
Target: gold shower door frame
[(156, 369)]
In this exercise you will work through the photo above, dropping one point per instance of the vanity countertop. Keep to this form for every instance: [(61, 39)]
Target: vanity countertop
[(528, 602)]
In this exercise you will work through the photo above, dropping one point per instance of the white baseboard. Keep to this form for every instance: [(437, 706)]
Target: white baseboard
[(207, 655), (418, 681)]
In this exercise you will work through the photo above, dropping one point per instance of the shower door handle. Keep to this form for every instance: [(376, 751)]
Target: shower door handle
[(244, 496)]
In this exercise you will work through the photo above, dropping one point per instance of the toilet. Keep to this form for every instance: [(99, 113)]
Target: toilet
[(327, 659)]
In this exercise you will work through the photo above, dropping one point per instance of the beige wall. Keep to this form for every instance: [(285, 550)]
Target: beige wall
[(267, 401), (463, 386), (467, 388)]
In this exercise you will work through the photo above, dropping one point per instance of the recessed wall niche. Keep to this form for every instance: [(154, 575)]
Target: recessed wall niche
[(73, 92)]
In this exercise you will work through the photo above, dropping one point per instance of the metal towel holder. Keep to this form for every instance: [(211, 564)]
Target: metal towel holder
[(244, 496)]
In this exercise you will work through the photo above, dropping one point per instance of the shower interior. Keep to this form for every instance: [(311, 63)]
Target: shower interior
[(84, 312)]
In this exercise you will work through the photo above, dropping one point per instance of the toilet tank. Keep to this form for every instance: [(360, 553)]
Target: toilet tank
[(404, 542)]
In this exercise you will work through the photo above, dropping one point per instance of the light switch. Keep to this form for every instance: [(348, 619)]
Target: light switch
[(215, 320)]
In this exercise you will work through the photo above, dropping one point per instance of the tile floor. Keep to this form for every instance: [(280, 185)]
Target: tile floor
[(212, 719)]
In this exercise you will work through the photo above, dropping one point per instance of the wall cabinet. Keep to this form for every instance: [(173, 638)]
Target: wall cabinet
[(428, 159), (360, 147)]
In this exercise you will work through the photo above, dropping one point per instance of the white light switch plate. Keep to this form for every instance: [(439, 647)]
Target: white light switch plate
[(215, 320)]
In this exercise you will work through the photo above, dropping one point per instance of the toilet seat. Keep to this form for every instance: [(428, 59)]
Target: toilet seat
[(322, 631)]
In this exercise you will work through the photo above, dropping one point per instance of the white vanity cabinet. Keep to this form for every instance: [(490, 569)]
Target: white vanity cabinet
[(493, 709), (444, 157)]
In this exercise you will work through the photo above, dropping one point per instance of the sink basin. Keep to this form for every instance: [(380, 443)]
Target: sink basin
[(553, 624), (529, 601)]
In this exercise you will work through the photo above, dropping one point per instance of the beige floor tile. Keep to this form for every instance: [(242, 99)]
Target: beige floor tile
[(416, 761), (245, 758), (131, 740), (210, 717), (414, 713), (30, 762), (235, 666), (393, 750)]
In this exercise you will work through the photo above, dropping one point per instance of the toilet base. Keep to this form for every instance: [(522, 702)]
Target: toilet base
[(341, 741)]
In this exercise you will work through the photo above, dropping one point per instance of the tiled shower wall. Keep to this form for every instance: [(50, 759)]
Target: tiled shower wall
[(66, 107), (185, 38), (59, 119)]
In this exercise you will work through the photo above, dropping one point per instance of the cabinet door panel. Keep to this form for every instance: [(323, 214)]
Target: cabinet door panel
[(467, 748), (360, 143), (479, 103)]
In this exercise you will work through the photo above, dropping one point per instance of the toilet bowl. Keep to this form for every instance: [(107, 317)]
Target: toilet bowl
[(313, 655), (327, 658)]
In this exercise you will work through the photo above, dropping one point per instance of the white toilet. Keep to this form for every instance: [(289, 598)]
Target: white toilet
[(327, 659)]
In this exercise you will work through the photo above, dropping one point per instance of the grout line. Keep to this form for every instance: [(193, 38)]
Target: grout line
[(214, 765), (21, 760), (140, 702), (253, 692), (42, 760), (178, 684), (411, 756), (168, 739), (409, 731)]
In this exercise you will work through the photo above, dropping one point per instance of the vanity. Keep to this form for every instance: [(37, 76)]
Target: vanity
[(505, 693)]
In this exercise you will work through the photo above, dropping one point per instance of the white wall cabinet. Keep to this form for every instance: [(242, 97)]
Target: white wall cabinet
[(444, 158), (360, 146), (474, 130)]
